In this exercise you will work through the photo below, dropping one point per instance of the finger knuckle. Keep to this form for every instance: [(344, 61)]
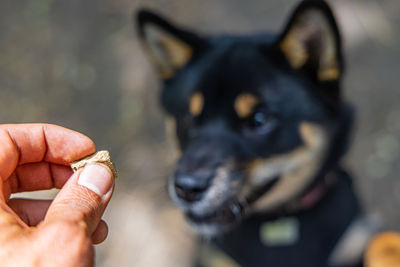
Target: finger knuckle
[(80, 199)]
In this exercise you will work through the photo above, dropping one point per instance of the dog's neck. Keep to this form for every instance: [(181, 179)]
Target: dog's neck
[(312, 173), (310, 222), (310, 197)]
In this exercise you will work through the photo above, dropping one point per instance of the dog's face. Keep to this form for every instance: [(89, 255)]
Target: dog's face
[(254, 115)]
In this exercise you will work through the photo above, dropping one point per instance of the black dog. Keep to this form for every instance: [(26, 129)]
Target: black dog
[(262, 127)]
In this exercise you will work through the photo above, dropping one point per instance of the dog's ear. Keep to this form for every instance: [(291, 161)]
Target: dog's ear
[(311, 42), (169, 47)]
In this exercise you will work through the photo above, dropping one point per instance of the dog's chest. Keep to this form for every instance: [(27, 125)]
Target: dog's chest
[(307, 239)]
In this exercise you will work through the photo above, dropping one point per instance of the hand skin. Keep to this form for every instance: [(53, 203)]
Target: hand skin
[(42, 232)]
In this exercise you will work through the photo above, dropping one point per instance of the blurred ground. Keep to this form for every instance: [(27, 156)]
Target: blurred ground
[(79, 64)]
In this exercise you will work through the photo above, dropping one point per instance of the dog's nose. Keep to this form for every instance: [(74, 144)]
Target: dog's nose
[(190, 188)]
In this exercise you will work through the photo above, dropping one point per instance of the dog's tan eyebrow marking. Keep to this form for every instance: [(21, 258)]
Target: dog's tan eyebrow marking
[(245, 103), (196, 104)]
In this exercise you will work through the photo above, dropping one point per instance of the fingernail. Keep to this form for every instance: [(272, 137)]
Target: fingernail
[(97, 178)]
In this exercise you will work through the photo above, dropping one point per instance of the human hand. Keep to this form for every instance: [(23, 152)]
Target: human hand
[(42, 232)]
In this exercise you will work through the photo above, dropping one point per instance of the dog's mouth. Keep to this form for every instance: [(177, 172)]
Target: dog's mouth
[(228, 215)]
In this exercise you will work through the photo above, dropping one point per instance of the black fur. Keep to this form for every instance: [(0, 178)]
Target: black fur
[(222, 68), (320, 229)]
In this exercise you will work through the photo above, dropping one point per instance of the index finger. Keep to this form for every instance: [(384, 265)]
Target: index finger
[(29, 143)]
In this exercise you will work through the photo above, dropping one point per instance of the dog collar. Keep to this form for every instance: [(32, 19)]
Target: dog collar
[(314, 194), (311, 196)]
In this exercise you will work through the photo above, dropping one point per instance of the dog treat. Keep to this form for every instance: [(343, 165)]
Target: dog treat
[(102, 157)]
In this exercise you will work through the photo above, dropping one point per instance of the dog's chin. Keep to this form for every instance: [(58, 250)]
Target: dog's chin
[(217, 222), (211, 216), (210, 230)]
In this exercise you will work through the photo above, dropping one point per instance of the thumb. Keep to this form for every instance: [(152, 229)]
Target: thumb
[(84, 197)]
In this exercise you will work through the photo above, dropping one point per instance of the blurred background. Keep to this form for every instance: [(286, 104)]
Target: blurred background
[(79, 64)]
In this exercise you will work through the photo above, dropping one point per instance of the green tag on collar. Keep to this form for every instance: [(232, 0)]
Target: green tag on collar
[(282, 232)]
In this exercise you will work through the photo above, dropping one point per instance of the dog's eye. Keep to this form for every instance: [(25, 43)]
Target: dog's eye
[(262, 123), (259, 119)]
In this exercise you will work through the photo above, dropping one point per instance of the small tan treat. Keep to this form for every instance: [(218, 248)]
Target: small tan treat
[(102, 157)]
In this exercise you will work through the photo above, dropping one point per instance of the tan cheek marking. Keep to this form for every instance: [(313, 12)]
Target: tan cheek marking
[(172, 140), (196, 104), (312, 135), (245, 103), (296, 168)]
